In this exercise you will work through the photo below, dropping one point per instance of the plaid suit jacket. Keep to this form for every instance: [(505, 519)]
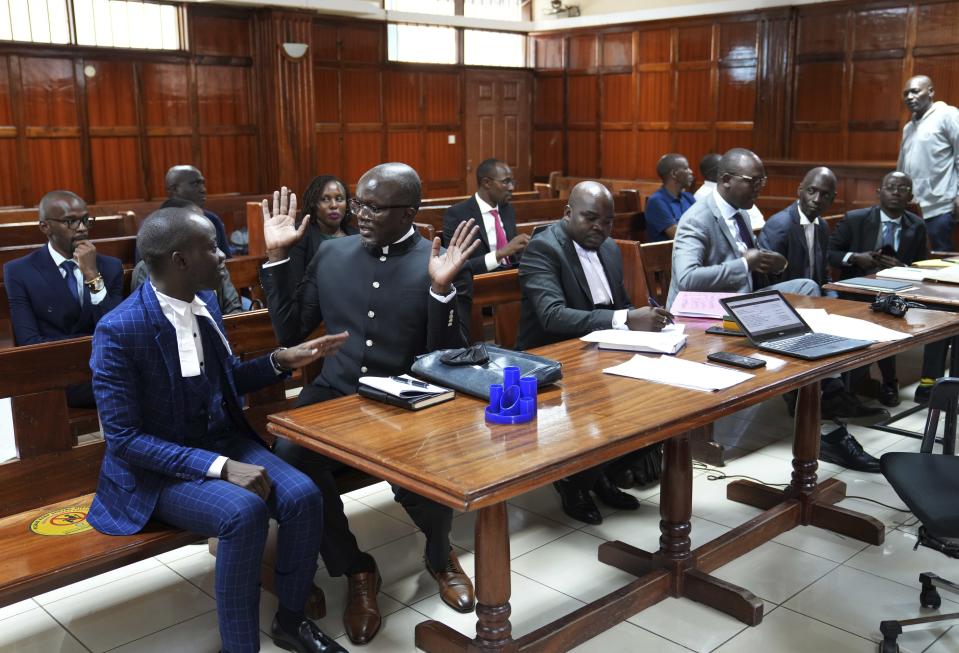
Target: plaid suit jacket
[(139, 392)]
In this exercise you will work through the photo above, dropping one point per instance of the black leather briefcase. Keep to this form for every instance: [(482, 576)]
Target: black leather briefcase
[(476, 379)]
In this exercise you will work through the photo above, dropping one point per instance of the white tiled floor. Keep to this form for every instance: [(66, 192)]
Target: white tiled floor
[(822, 592)]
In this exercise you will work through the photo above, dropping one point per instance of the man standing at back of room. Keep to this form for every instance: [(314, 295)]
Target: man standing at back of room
[(928, 154), (501, 247), (186, 186), (667, 205)]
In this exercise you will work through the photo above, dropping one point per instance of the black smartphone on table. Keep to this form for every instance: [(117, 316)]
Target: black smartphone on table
[(730, 358)]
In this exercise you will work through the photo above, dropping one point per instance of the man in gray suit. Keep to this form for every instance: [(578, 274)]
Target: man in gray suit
[(714, 249)]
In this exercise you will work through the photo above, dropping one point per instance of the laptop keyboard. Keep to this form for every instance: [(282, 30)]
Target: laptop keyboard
[(806, 341)]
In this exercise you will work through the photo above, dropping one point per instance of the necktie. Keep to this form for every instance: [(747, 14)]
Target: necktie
[(744, 232), (889, 234), (71, 280), (501, 241)]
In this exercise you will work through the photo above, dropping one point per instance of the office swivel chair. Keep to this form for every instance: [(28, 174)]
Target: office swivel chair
[(928, 484)]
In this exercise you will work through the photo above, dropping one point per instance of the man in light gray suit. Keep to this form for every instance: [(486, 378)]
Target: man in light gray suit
[(714, 249)]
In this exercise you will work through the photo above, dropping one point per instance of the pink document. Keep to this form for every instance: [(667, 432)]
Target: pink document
[(699, 304)]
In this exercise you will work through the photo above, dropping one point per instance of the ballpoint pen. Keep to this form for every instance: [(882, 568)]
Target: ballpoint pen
[(412, 382), (655, 304)]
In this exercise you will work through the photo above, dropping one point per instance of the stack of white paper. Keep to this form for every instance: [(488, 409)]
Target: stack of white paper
[(668, 341), (901, 272), (679, 372), (944, 275), (847, 327)]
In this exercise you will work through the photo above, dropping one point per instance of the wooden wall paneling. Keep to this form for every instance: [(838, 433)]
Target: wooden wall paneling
[(650, 145), (362, 151), (618, 98), (224, 95), (582, 99), (654, 95), (737, 94), (53, 163), (728, 139), (117, 170), (616, 50), (114, 126), (655, 46), (694, 43), (228, 163), (937, 24), (880, 28), (164, 152), (692, 144), (225, 118), (583, 159), (821, 31), (362, 42), (362, 96), (444, 162), (943, 70), (547, 152), (549, 52), (819, 92), (326, 93), (165, 92), (219, 35), (694, 95), (548, 104), (401, 93), (738, 40), (442, 98), (406, 147), (10, 162), (325, 43), (329, 155), (874, 99), (583, 52), (773, 114), (617, 154)]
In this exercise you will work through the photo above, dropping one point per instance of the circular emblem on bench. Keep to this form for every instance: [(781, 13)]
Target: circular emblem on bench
[(63, 521)]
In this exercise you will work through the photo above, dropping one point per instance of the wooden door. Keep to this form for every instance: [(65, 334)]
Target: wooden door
[(498, 122)]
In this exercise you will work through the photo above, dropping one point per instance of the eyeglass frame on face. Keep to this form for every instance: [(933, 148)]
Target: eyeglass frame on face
[(73, 223), (753, 181), (357, 207), (897, 188)]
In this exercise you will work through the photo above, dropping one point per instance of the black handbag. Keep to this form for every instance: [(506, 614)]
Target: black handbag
[(475, 379)]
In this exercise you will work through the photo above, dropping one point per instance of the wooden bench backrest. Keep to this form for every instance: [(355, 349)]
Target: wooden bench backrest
[(47, 447), (449, 201), (28, 233), (634, 272), (657, 261), (245, 276), (122, 248), (501, 291)]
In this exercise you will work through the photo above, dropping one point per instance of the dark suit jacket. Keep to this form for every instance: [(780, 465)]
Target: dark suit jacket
[(383, 301), (782, 233), (41, 306), (859, 231), (557, 304), (470, 209), (140, 398)]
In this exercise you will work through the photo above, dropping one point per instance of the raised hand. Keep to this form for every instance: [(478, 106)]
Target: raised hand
[(309, 351), (444, 267), (279, 226)]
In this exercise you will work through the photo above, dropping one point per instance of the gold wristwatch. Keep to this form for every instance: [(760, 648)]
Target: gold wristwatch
[(95, 284)]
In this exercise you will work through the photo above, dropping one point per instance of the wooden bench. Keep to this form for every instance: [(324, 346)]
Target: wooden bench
[(28, 233), (122, 247), (658, 265), (34, 378), (450, 201)]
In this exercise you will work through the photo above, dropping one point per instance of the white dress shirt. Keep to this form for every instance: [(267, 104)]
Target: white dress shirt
[(183, 316), (729, 212), (598, 283), (489, 227), (809, 228), (95, 297), (756, 219)]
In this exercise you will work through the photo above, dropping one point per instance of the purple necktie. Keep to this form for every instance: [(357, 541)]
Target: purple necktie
[(744, 232)]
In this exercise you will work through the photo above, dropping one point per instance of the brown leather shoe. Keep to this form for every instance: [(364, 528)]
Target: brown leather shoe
[(362, 615), (456, 590)]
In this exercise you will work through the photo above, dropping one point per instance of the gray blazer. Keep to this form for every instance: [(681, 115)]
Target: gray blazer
[(705, 256)]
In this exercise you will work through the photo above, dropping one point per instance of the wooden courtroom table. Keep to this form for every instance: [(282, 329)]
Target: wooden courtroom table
[(449, 454)]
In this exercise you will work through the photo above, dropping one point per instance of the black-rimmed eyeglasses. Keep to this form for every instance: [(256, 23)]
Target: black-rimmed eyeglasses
[(73, 223), (358, 207)]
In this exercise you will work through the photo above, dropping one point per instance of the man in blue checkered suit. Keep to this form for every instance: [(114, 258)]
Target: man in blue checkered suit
[(178, 447)]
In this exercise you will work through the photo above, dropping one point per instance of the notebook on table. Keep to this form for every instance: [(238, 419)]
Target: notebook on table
[(772, 324), (882, 285)]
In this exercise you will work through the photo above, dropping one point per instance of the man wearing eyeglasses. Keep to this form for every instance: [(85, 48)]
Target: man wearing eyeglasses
[(714, 249), (501, 247), (398, 296), (62, 290)]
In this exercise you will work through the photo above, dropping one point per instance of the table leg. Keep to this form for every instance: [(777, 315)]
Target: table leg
[(493, 629)]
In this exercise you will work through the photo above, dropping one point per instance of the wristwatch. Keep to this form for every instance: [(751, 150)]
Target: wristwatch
[(95, 284), (276, 365)]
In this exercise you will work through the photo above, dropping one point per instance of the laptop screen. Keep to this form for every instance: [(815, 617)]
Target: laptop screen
[(765, 315)]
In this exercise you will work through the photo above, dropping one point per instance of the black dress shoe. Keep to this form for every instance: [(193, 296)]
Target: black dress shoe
[(308, 638), (889, 393), (577, 503), (848, 453), (612, 496)]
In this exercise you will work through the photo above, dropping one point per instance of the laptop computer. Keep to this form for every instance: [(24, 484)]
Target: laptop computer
[(772, 324)]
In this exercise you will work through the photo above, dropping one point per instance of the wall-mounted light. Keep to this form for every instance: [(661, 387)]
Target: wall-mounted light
[(295, 50)]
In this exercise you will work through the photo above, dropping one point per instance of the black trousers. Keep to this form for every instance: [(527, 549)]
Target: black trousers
[(339, 549)]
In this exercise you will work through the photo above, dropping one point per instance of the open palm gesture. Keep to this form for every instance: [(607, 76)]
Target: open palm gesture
[(444, 266), (279, 225)]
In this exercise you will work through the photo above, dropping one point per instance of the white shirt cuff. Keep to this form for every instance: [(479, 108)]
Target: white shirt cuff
[(845, 259), (441, 298), (216, 469), (268, 265), (491, 261), (97, 297), (619, 319)]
